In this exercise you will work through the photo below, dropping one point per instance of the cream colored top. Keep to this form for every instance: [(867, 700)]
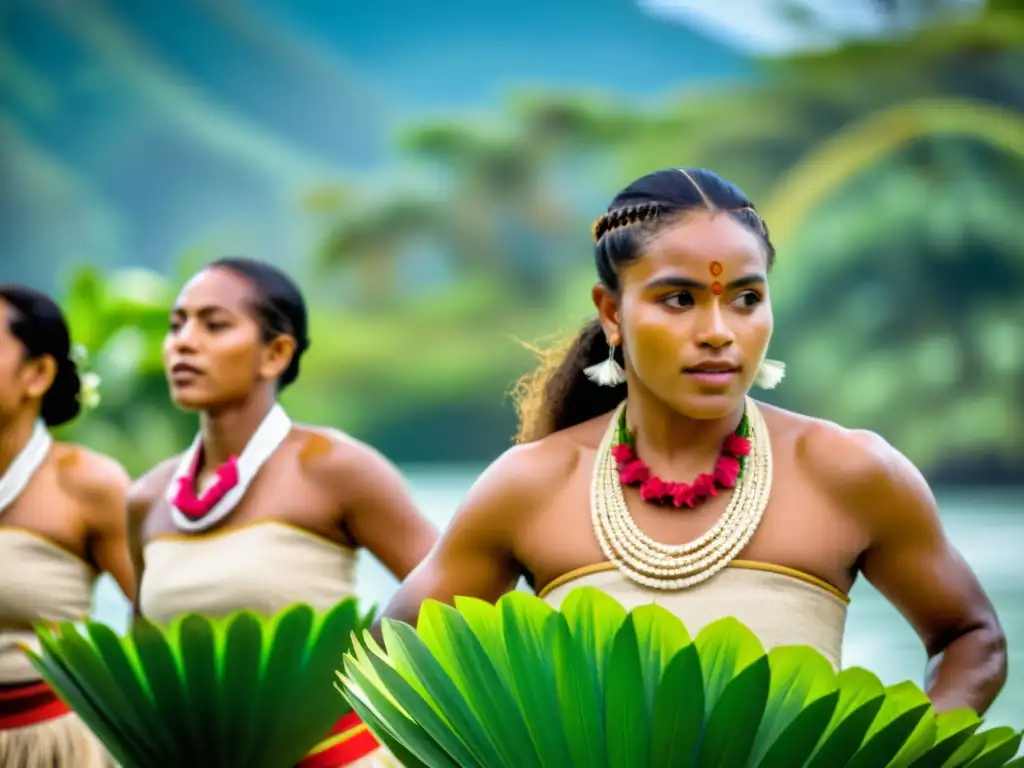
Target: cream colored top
[(264, 567), (39, 581), (780, 605)]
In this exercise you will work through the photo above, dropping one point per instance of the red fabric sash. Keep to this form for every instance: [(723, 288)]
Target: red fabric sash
[(347, 742), (29, 704), (34, 703)]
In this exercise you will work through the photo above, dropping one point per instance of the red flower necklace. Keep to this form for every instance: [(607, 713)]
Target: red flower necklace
[(728, 469), (196, 507)]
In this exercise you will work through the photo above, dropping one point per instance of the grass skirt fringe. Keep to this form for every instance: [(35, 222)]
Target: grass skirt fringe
[(63, 742)]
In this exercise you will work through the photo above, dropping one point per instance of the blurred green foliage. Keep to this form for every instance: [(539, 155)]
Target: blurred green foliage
[(888, 170)]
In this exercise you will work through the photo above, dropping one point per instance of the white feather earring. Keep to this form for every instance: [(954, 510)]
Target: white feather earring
[(607, 373), (770, 374)]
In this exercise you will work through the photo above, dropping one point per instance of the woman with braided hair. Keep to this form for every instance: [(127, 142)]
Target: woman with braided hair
[(645, 469)]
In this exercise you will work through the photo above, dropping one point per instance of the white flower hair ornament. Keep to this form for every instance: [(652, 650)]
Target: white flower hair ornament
[(89, 392)]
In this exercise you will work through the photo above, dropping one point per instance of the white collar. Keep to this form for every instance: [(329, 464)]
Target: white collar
[(267, 438), (29, 459)]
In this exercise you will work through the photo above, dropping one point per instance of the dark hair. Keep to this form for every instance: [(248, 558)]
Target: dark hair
[(558, 395), (38, 323), (280, 308)]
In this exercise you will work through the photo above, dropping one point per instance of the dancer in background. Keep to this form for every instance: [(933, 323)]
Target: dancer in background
[(647, 471), (261, 513), (61, 524)]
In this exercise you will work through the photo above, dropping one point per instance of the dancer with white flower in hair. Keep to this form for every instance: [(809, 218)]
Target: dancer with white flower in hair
[(62, 523)]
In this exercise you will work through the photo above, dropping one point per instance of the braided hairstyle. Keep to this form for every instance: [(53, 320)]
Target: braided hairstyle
[(558, 395), (38, 324), (280, 307)]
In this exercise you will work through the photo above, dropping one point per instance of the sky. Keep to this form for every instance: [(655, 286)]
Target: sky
[(757, 26)]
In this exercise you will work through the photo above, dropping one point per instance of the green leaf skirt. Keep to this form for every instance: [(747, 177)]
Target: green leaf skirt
[(244, 690), (522, 685)]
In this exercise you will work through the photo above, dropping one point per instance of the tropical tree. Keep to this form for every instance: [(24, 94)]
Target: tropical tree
[(921, 332), (498, 210), (885, 168), (925, 117)]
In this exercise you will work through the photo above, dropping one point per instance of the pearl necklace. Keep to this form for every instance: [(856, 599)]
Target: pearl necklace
[(664, 566), (29, 459)]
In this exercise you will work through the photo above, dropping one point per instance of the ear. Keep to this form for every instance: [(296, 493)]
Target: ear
[(38, 374), (276, 356), (607, 313)]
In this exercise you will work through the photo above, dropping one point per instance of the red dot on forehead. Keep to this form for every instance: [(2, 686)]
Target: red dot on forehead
[(716, 288), (716, 268)]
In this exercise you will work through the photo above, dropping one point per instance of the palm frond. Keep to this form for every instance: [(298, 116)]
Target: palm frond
[(521, 684), (242, 690)]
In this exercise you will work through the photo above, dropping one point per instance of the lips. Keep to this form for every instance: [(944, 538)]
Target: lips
[(182, 370), (713, 374), (713, 367)]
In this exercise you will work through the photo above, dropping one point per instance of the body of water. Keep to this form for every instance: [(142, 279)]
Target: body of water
[(988, 528)]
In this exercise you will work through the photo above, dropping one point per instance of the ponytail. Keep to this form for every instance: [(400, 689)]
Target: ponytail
[(558, 395)]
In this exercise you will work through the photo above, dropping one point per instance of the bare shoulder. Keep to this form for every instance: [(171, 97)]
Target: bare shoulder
[(527, 477), (857, 468), (97, 482), (538, 470), (144, 492), (332, 457)]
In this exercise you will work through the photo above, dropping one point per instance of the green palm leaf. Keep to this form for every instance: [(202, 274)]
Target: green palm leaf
[(372, 702), (526, 634), (861, 696), (1000, 746), (474, 667), (521, 684), (801, 700), (678, 719), (737, 680), (627, 721), (242, 690), (904, 725), (953, 730)]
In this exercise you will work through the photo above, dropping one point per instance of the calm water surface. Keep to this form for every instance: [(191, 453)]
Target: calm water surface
[(988, 528)]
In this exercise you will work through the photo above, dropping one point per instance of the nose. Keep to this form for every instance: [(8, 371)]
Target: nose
[(713, 331), (183, 338)]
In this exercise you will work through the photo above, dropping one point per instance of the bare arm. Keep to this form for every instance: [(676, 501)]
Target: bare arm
[(140, 499), (475, 555), (102, 486), (137, 509), (915, 566), (380, 514)]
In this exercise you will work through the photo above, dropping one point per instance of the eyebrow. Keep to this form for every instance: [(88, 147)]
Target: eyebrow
[(686, 282), (204, 311)]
